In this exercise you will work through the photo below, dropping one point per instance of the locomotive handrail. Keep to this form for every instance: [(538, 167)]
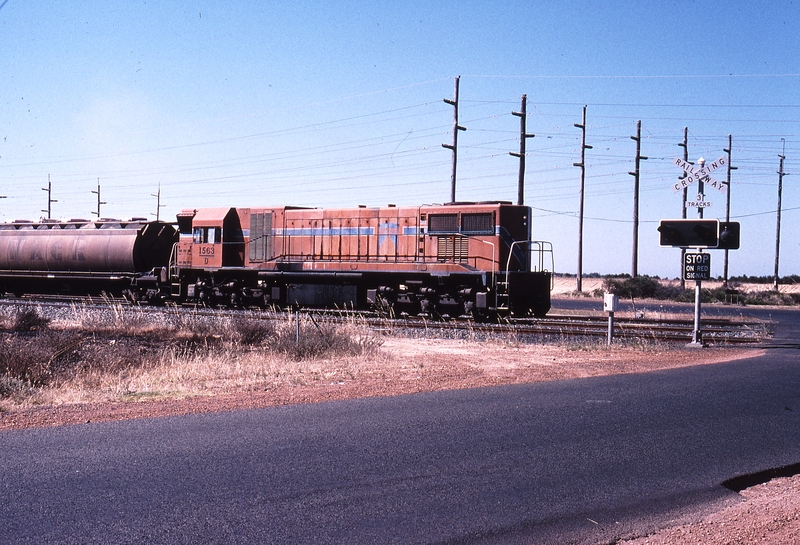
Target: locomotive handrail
[(511, 252), (173, 262), (494, 261), (541, 251), (495, 264)]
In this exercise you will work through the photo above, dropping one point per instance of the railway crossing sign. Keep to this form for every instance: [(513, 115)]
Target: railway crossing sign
[(700, 173), (697, 266), (699, 233)]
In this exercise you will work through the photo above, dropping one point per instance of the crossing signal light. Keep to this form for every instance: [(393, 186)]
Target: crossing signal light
[(728, 235), (689, 233)]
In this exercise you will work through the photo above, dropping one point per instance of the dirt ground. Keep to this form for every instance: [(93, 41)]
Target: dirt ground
[(767, 514)]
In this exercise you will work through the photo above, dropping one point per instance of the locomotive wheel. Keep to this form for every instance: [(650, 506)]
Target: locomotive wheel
[(425, 308), (207, 299), (384, 307)]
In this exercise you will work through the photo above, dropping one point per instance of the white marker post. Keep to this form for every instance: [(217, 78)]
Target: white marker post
[(610, 305)]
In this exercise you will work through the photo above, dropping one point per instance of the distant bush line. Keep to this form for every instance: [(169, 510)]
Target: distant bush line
[(648, 287), (745, 279)]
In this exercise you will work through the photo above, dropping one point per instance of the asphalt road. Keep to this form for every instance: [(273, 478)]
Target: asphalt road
[(578, 461)]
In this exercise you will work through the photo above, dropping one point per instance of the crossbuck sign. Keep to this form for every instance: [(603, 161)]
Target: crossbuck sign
[(700, 174)]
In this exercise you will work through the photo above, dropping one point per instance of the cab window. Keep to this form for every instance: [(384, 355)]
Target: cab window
[(207, 235)]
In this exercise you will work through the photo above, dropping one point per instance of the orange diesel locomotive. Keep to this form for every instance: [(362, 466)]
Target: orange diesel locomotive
[(455, 259)]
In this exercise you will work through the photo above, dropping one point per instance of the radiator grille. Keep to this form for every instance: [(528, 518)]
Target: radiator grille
[(260, 235), (453, 249), (477, 224)]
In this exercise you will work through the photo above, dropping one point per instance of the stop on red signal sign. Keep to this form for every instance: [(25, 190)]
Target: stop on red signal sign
[(697, 266)]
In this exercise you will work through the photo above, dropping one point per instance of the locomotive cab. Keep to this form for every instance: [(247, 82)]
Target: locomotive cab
[(216, 239), (211, 244)]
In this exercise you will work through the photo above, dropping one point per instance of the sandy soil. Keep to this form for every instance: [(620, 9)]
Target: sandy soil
[(767, 514)]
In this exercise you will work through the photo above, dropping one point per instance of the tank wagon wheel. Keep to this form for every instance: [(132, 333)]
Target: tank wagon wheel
[(131, 295)]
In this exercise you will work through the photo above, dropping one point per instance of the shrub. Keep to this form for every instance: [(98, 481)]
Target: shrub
[(252, 332), (633, 288), (10, 386), (315, 340), (771, 298), (30, 320), (37, 360)]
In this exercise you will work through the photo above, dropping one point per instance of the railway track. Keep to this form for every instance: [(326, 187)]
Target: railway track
[(715, 331), (552, 327)]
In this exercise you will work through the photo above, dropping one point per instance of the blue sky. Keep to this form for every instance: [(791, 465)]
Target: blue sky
[(340, 103)]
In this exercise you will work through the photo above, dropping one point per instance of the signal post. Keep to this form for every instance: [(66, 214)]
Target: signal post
[(698, 234)]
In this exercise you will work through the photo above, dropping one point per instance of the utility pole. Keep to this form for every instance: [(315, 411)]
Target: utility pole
[(685, 146), (582, 164), (159, 206), (635, 174), (99, 202), (454, 146), (781, 174), (728, 202), (50, 200), (522, 114)]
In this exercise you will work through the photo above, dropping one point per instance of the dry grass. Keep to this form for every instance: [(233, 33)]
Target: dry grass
[(129, 354)]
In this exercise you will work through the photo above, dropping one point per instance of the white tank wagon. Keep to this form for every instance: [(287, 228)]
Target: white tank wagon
[(82, 256)]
